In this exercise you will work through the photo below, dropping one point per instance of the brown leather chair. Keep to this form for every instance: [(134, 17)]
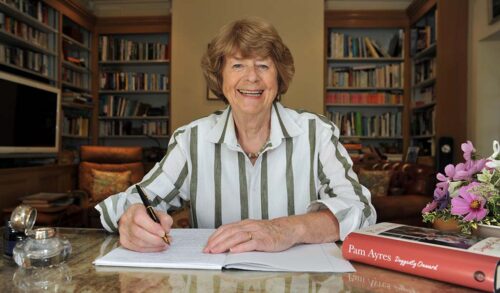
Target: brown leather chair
[(109, 159)]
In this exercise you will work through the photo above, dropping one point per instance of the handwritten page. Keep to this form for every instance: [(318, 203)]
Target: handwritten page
[(186, 252)]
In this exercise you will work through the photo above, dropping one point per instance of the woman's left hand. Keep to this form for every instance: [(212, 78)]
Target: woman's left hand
[(249, 235)]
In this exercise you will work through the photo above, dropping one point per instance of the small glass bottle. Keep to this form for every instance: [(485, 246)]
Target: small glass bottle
[(10, 238)]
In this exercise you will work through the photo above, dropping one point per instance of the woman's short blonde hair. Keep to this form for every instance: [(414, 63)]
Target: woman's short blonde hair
[(251, 37)]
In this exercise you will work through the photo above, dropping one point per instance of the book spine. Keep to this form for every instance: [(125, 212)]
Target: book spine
[(449, 265)]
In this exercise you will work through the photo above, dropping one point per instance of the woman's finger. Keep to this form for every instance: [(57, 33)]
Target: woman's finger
[(230, 241)]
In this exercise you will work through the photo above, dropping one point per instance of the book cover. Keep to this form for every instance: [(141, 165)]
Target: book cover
[(445, 256)]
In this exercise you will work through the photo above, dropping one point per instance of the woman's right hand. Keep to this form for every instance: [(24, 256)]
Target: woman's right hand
[(139, 232)]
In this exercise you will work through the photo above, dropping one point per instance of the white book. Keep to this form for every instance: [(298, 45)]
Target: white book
[(186, 252)]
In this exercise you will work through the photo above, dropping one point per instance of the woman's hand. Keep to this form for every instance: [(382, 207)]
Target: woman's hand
[(249, 235), (139, 232), (274, 235)]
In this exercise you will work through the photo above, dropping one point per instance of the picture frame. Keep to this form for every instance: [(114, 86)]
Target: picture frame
[(493, 11), (211, 96), (412, 154)]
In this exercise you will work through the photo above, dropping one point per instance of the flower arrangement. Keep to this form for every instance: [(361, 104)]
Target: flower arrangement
[(468, 192)]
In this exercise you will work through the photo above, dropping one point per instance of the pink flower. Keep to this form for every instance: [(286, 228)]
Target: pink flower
[(468, 149), (430, 207), (469, 204)]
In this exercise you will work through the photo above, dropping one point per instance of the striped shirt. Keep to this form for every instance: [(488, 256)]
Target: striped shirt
[(302, 168)]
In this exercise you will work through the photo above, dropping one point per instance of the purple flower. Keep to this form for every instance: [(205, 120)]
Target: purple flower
[(441, 195), (469, 204)]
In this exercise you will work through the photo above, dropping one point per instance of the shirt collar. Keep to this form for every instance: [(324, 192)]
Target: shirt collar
[(282, 126)]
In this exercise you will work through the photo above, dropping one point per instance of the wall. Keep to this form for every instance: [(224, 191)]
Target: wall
[(195, 22), (484, 78), (366, 4)]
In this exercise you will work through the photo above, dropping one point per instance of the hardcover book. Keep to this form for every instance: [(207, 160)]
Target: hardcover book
[(460, 259)]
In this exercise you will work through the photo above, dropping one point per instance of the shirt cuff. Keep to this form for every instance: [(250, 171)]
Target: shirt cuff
[(349, 217)]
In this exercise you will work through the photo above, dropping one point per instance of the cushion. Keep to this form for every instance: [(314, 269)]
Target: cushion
[(377, 181), (85, 176), (106, 183)]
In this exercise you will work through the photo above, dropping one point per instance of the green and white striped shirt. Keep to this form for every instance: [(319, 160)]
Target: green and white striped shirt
[(303, 168)]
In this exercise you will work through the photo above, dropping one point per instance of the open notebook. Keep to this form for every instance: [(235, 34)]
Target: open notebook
[(186, 253)]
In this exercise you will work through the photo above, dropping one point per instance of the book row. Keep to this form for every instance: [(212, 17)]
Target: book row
[(385, 76), (347, 46), (425, 70), (133, 81), (360, 124), (422, 122), (363, 98), (114, 49), (422, 38), (123, 128), (25, 58), (76, 126), (24, 31), (73, 77), (116, 106), (34, 8), (423, 97), (69, 96)]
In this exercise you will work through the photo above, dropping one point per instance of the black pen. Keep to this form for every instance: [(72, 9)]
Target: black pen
[(150, 211)]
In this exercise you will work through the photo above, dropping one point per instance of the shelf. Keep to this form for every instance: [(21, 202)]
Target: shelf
[(75, 67), (425, 83), (75, 43), (330, 88), (135, 118), (365, 60), (26, 18), (27, 71), (426, 136), (422, 107), (135, 62), (74, 136), (366, 105), (372, 137), (426, 53), (77, 106), (106, 92), (15, 40), (133, 136), (72, 86)]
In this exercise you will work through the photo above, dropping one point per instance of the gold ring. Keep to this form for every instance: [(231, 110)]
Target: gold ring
[(250, 234)]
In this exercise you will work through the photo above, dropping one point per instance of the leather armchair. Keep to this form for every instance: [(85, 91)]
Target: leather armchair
[(110, 159), (410, 189)]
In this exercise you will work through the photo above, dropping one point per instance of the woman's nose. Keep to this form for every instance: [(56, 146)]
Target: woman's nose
[(252, 74)]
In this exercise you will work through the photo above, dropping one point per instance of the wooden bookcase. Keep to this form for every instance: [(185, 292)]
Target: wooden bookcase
[(438, 98), (75, 79), (29, 34), (133, 79), (366, 93)]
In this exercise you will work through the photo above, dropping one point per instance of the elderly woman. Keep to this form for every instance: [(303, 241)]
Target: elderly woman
[(265, 176)]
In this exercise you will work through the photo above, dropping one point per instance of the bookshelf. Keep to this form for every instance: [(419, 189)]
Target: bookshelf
[(76, 82), (366, 77), (29, 32), (133, 81), (438, 97)]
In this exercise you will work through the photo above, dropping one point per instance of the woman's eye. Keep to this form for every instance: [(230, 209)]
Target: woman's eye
[(263, 66), (237, 66)]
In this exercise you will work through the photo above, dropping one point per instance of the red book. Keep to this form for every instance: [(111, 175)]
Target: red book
[(460, 259)]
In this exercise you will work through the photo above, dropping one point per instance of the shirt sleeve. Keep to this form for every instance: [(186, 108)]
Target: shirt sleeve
[(340, 191), (165, 184)]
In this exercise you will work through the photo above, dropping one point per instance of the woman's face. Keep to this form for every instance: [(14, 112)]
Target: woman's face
[(250, 84)]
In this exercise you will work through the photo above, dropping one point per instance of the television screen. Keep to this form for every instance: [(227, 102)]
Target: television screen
[(29, 116)]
